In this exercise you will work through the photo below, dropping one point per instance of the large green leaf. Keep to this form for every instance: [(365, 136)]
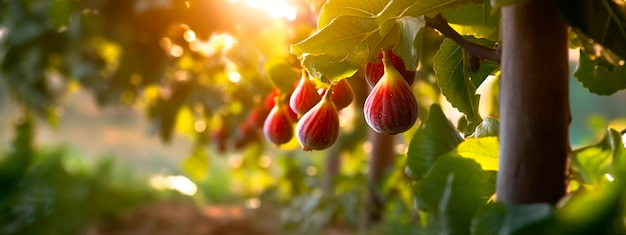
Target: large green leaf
[(456, 208), (482, 150), (453, 190), (399, 8), (597, 211), (435, 137), (478, 20), (591, 162), (600, 21), (281, 74), (335, 8), (599, 76), (498, 218), (411, 38), (456, 80), (338, 50)]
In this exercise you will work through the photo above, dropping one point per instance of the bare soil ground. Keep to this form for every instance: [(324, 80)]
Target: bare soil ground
[(174, 218)]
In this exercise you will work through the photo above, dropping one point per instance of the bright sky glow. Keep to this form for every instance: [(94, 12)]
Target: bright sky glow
[(179, 183), (277, 9)]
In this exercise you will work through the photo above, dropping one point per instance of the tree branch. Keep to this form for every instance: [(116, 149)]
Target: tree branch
[(475, 50)]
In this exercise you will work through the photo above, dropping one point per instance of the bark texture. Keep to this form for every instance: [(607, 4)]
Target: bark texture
[(534, 108)]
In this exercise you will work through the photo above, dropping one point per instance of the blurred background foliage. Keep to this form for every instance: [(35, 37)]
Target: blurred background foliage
[(111, 104)]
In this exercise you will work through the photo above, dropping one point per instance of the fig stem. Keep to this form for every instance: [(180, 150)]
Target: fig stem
[(328, 94), (390, 71), (475, 50)]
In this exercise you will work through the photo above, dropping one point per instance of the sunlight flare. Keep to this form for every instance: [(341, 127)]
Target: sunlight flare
[(277, 9), (179, 183)]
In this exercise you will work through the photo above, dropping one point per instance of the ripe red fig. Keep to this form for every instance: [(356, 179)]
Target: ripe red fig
[(374, 71), (319, 127), (271, 97), (342, 94), (270, 102), (221, 135), (278, 126), (390, 108), (256, 117), (246, 134), (305, 96)]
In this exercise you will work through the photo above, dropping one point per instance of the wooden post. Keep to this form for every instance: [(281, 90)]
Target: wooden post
[(534, 107)]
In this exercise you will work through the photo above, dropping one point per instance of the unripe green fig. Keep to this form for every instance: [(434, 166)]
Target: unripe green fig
[(391, 107), (305, 96), (342, 94), (374, 71), (278, 127), (319, 127)]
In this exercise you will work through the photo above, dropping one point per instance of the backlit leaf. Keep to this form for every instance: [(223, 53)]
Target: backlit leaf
[(478, 20), (482, 150), (597, 211), (335, 8), (598, 22), (338, 50), (457, 83), (282, 75), (599, 76), (591, 162), (410, 43)]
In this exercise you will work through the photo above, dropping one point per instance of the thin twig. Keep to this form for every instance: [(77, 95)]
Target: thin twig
[(475, 50)]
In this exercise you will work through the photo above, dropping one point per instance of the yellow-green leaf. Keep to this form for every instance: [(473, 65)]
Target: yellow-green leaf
[(483, 150)]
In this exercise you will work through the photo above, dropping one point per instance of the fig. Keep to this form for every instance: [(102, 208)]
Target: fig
[(221, 135), (246, 134), (305, 96), (269, 99), (391, 107), (319, 127), (270, 102), (374, 71), (342, 94), (278, 127), (257, 115)]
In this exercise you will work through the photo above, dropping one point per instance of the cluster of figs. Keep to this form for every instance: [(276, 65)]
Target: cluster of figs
[(390, 107)]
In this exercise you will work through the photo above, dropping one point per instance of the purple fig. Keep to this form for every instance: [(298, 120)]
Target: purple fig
[(278, 127), (319, 127), (342, 94), (391, 107), (305, 96), (374, 71)]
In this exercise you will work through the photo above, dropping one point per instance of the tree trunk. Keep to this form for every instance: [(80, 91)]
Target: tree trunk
[(381, 160), (534, 144)]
